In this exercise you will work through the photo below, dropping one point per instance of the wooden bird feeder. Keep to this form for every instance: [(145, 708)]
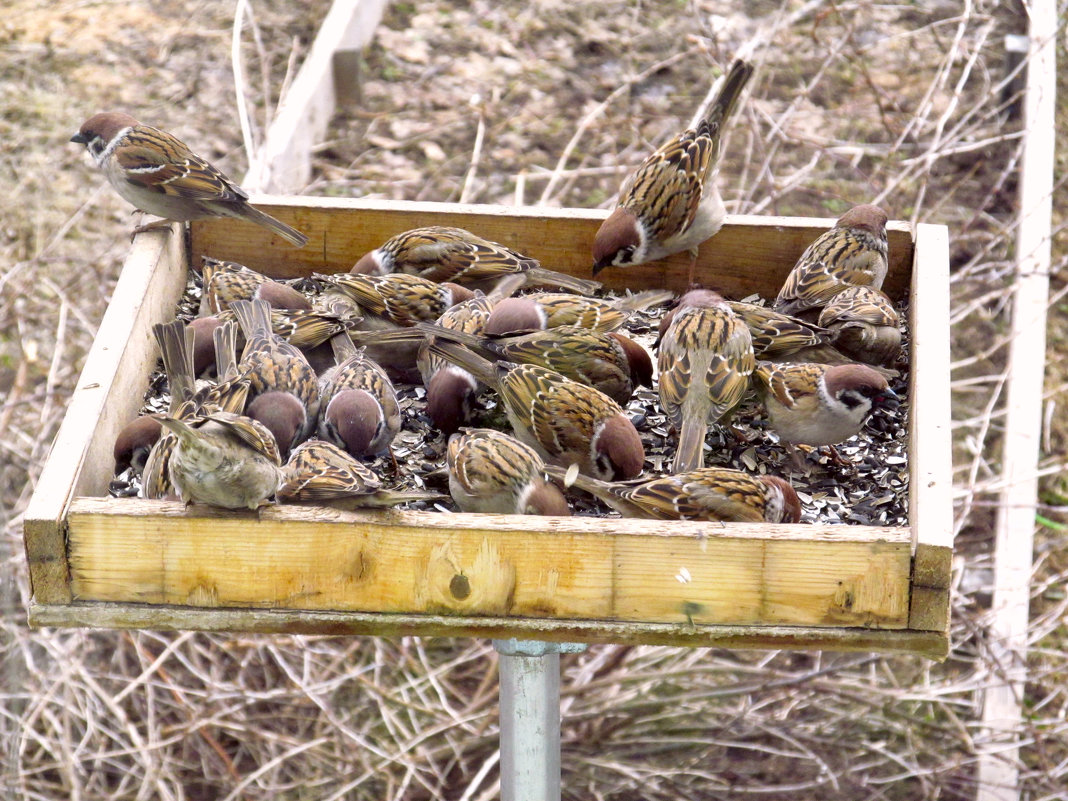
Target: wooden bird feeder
[(119, 562)]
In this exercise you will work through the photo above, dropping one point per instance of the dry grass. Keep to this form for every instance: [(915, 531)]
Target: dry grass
[(520, 102)]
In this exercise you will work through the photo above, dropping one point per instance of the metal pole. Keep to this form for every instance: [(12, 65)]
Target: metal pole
[(530, 718)]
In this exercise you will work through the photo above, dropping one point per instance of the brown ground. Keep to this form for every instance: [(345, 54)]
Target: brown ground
[(839, 113)]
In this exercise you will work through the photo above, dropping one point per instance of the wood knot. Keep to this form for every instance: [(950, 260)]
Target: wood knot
[(459, 586)]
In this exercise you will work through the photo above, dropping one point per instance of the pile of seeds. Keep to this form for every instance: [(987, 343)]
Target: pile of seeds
[(862, 481)]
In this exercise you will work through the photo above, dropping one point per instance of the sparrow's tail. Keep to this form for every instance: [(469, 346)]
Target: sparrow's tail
[(288, 233), (176, 346), (690, 454), (723, 106), (553, 280)]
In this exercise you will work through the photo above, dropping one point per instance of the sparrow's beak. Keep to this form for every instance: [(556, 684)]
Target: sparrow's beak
[(80, 138), (600, 265), (890, 399)]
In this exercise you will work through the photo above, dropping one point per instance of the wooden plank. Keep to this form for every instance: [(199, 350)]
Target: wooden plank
[(107, 395), (270, 621), (124, 550), (929, 609), (930, 446), (999, 767), (283, 163), (750, 254)]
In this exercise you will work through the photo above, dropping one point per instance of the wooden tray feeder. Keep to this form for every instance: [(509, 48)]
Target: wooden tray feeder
[(119, 562)]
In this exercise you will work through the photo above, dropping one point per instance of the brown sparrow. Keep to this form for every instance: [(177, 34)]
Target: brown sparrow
[(397, 299), (227, 281), (190, 399), (135, 442), (705, 359), (223, 459), (158, 174), (865, 325), (540, 310), (776, 334), (853, 253), (321, 474), (440, 254), (820, 404), (707, 493), (283, 387), (359, 411), (565, 421), (671, 202), (494, 473), (450, 389), (611, 362)]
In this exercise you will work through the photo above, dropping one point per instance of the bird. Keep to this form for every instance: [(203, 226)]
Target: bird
[(541, 310), (707, 493), (358, 410), (440, 253), (820, 404), (493, 473), (319, 473), (189, 398), (705, 360), (852, 253), (135, 442), (611, 362), (565, 421), (776, 334), (397, 299), (160, 175), (223, 459), (671, 203), (283, 387), (227, 281), (450, 389), (864, 324)]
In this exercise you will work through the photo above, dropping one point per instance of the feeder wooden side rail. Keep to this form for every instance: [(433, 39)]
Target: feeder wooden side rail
[(125, 550)]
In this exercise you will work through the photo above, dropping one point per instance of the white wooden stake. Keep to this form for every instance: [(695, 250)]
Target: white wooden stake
[(998, 770)]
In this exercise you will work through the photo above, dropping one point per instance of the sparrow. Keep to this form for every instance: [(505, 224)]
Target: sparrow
[(820, 404), (776, 334), (188, 398), (397, 299), (450, 389), (493, 473), (864, 324), (321, 474), (395, 302), (564, 421), (302, 328), (227, 281), (160, 175), (438, 253), (540, 310), (707, 493), (852, 253), (135, 442), (223, 459), (705, 359), (671, 203), (283, 387), (359, 411), (611, 362)]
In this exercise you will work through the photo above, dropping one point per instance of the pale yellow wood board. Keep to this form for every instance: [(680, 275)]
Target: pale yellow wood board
[(125, 550), (106, 397), (750, 254)]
